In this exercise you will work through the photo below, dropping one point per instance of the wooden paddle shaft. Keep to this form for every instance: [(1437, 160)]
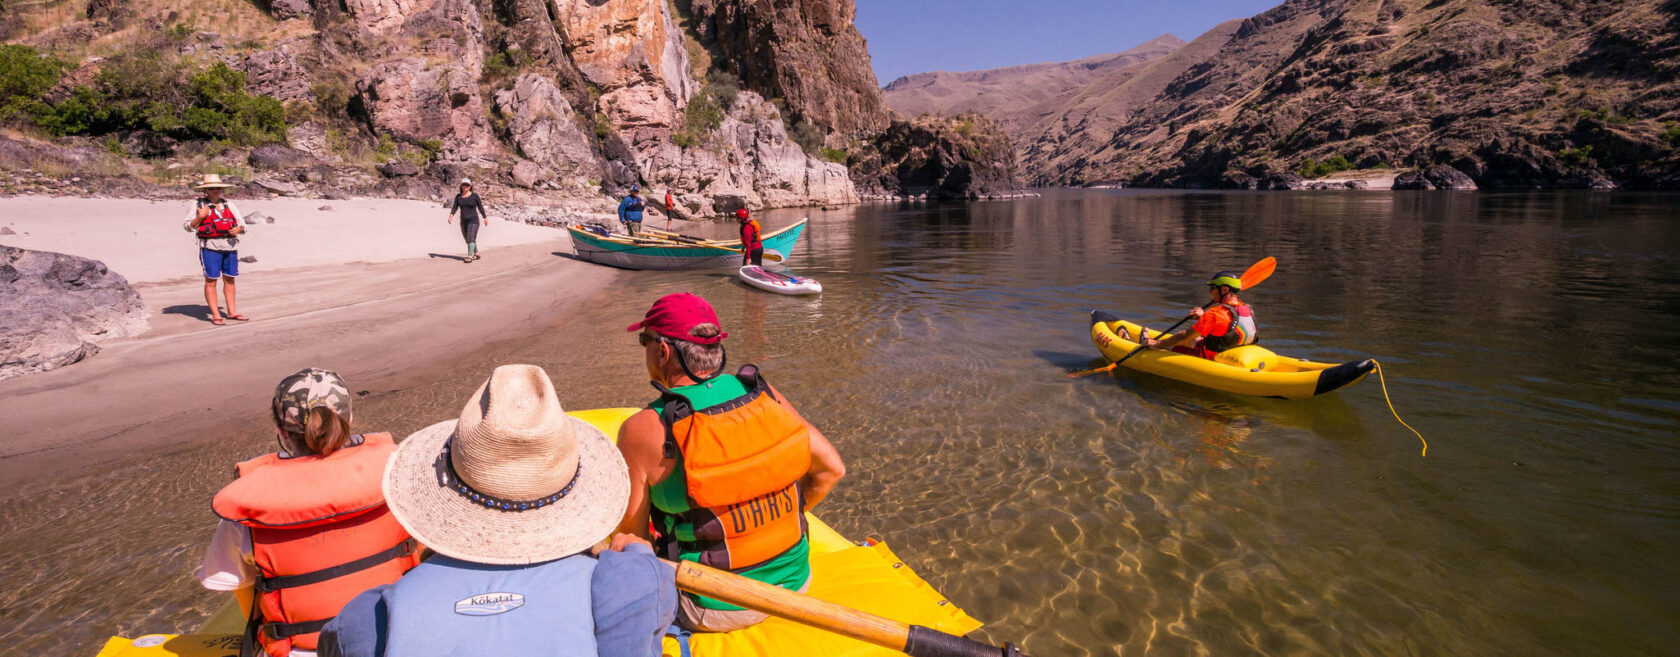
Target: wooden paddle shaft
[(776, 601)]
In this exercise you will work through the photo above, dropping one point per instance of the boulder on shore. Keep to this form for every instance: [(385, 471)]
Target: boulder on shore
[(57, 307)]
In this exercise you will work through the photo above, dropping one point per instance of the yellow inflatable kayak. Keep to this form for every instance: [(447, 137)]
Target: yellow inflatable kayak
[(865, 576), (1246, 370)]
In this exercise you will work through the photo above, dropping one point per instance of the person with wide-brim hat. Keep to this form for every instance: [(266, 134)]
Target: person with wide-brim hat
[(512, 496), (217, 223)]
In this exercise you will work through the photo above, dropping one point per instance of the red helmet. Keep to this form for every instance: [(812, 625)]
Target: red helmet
[(741, 213)]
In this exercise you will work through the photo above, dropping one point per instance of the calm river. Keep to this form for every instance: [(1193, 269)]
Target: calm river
[(1527, 336)]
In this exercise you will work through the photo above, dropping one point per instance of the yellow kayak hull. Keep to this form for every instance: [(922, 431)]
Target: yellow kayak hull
[(1248, 370), (865, 576)]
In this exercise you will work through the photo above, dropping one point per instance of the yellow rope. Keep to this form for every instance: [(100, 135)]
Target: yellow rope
[(1384, 382)]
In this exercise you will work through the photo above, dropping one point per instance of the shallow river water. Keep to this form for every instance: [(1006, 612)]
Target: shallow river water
[(1525, 335)]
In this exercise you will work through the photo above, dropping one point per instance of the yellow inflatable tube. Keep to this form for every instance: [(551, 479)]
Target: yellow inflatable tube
[(1249, 370), (864, 576)]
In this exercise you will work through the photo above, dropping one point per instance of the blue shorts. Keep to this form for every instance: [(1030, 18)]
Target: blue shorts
[(219, 263)]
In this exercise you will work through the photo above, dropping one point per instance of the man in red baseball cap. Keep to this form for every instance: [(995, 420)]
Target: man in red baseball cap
[(721, 466), (752, 240)]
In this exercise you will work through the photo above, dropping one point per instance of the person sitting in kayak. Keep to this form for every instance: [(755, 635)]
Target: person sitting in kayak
[(307, 528), (721, 466), (752, 240), (1226, 323)]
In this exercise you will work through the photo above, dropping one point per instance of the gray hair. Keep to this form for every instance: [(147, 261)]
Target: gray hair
[(701, 357)]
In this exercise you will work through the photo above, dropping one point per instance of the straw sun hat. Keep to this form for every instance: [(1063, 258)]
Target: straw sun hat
[(514, 481), (211, 180)]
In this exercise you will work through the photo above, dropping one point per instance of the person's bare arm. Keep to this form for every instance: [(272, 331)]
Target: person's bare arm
[(641, 440), (826, 466)]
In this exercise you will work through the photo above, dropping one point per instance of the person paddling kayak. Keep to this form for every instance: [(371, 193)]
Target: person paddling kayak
[(752, 239), (1228, 324)]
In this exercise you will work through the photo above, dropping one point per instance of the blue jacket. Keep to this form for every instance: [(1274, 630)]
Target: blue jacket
[(570, 607), (630, 209)]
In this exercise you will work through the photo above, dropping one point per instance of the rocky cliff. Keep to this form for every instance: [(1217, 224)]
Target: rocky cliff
[(568, 98), (1545, 93), (962, 157), (1512, 94), (58, 307)]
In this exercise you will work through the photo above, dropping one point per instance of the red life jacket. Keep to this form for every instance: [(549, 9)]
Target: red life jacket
[(320, 534), (219, 224), (751, 235)]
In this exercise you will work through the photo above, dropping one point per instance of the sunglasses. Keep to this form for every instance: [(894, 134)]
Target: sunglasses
[(645, 339)]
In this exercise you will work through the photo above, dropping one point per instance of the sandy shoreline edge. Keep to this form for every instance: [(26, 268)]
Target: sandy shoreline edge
[(371, 288)]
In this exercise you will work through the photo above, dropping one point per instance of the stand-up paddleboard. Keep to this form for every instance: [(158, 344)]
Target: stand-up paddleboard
[(778, 282)]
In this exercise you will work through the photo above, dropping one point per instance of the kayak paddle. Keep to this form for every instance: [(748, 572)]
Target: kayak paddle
[(913, 640), (1260, 271), (769, 255)]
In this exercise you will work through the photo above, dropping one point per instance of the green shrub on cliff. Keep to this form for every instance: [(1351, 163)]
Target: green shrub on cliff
[(25, 74), (1311, 168), (152, 92), (1672, 134), (808, 136)]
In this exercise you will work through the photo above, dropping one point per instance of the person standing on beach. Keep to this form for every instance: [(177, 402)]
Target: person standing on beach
[(670, 206), (306, 529), (218, 224), (630, 211), (752, 239), (722, 466), (472, 209)]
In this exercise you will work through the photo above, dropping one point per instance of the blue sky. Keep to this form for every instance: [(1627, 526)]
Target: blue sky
[(912, 36)]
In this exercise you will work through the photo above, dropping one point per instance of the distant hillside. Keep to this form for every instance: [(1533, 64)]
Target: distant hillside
[(1543, 93), (1069, 128), (1014, 97)]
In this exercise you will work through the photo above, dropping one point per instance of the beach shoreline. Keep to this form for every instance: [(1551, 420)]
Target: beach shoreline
[(407, 302)]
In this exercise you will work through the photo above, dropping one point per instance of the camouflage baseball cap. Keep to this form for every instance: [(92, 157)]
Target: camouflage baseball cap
[(305, 390)]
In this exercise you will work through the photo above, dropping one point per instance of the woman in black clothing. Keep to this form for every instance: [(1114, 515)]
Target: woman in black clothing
[(472, 208)]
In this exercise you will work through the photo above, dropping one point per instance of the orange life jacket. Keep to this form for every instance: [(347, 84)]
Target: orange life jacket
[(742, 461), (752, 235), (320, 534)]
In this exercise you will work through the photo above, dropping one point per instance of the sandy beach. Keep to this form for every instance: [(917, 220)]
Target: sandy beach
[(370, 288)]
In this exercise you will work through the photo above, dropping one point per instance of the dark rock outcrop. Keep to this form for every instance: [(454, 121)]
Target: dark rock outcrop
[(937, 157), (1435, 177), (806, 52), (57, 307), (276, 156)]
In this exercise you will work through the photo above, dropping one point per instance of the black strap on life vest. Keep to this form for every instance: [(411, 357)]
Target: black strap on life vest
[(277, 631), (398, 551)]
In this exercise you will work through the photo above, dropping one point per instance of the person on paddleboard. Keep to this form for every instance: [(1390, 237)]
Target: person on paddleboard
[(721, 466), (518, 501), (1228, 323), (752, 239), (306, 528), (630, 211), (472, 210)]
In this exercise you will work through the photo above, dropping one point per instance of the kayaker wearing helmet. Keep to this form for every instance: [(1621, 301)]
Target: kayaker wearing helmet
[(1227, 325), (630, 211), (752, 239), (722, 465), (307, 526)]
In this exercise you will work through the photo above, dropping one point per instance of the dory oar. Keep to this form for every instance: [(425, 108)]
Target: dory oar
[(913, 640), (689, 240), (1259, 272)]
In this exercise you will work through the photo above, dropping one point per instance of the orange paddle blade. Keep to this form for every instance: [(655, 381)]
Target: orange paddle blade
[(1260, 271)]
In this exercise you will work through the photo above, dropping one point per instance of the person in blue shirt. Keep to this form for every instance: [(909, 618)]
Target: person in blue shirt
[(630, 211), (513, 498)]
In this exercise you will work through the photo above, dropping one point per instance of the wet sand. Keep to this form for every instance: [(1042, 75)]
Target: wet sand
[(373, 322)]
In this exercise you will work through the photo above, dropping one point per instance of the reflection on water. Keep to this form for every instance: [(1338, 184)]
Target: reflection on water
[(1525, 334)]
